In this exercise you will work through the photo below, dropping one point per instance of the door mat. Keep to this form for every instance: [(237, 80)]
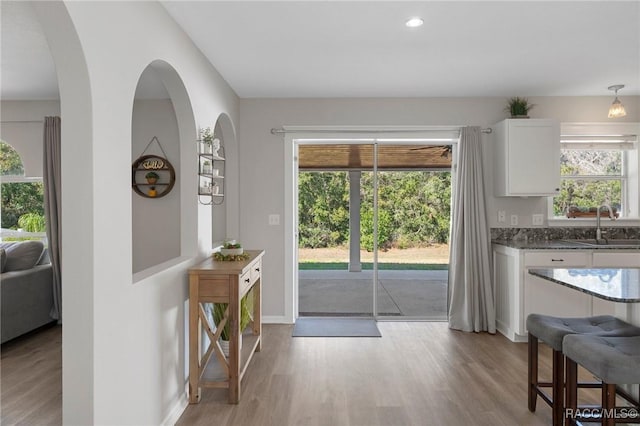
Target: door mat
[(336, 327)]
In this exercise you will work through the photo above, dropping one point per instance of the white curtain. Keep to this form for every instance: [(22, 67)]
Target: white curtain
[(52, 178), (471, 300)]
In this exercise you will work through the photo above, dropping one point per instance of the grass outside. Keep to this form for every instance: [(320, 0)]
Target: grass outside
[(434, 257)]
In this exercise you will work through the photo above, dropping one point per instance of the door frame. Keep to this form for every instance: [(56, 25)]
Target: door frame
[(296, 135)]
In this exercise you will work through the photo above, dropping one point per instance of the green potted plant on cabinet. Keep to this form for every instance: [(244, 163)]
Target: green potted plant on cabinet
[(518, 107)]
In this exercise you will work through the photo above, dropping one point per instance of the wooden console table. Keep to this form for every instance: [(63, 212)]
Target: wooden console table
[(223, 282)]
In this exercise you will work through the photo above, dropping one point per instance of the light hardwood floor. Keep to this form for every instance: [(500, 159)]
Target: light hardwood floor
[(31, 379), (418, 373)]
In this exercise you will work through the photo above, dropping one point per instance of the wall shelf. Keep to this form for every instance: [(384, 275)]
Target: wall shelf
[(159, 165), (211, 157)]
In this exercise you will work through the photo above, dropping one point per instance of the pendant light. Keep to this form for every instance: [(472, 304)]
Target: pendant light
[(617, 109)]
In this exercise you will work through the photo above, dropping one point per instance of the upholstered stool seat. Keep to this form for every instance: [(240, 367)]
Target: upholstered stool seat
[(552, 330), (614, 360)]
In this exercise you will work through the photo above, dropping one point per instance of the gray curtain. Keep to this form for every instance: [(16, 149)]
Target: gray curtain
[(52, 206), (471, 299)]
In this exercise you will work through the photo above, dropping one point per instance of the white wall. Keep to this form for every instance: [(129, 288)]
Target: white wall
[(124, 345), (262, 155), (22, 127), (155, 221)]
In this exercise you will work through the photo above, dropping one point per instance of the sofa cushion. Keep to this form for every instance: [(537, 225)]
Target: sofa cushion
[(23, 255), (45, 259), (3, 259)]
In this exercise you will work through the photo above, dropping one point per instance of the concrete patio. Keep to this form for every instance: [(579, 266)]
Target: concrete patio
[(411, 294)]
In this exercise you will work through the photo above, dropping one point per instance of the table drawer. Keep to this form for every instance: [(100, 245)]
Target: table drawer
[(213, 287), (256, 271), (245, 282), (557, 258)]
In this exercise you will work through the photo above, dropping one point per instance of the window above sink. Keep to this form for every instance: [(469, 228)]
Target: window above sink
[(599, 165)]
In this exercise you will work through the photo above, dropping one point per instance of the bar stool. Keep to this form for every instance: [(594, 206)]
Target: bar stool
[(615, 360), (552, 330)]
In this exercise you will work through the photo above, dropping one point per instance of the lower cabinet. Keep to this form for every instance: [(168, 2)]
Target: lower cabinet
[(518, 293)]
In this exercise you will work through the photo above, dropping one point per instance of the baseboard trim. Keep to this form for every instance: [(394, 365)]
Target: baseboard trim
[(275, 319), (177, 410)]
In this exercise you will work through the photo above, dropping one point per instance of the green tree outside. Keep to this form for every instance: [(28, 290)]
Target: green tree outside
[(19, 199), (413, 209)]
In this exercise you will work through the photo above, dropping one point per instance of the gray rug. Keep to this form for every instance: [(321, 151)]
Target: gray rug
[(336, 327)]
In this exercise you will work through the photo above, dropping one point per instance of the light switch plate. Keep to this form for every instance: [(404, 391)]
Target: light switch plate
[(514, 219), (274, 219), (502, 216), (537, 219)]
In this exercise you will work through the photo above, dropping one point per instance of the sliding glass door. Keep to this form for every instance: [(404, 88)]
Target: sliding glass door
[(373, 228)]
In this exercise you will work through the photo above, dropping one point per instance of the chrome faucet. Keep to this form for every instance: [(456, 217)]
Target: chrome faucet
[(598, 230)]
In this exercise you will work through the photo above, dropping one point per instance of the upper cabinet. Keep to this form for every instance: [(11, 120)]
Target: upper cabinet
[(527, 157)]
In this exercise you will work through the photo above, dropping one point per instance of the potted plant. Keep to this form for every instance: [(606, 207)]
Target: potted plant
[(246, 305), (518, 107), (206, 136), (152, 177), (231, 249)]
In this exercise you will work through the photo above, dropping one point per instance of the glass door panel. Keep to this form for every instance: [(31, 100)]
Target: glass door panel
[(333, 277), (413, 210)]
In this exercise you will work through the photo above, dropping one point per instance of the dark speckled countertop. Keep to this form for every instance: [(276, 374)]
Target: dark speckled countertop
[(617, 285), (561, 245)]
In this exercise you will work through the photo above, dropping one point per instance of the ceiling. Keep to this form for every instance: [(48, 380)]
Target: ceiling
[(362, 48)]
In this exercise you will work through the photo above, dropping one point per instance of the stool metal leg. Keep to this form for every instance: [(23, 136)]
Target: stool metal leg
[(533, 371), (558, 388)]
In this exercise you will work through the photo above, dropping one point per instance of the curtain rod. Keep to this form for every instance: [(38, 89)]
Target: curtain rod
[(21, 121), (275, 131)]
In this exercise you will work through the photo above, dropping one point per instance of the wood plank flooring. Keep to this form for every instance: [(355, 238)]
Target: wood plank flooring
[(418, 373), (31, 379)]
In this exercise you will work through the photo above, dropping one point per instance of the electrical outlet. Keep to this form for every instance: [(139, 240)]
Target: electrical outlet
[(502, 216), (514, 220), (537, 219)]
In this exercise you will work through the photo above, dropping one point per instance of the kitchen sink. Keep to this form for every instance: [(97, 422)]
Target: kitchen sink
[(607, 243)]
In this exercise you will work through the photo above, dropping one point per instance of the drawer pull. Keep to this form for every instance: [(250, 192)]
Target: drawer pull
[(257, 269), (247, 280), (557, 260)]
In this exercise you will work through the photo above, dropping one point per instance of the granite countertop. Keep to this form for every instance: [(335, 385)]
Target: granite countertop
[(563, 245), (617, 285)]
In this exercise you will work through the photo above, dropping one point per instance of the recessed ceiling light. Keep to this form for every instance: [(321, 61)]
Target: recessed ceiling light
[(414, 22)]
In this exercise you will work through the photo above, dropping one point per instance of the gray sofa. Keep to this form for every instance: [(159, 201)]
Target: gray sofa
[(27, 288)]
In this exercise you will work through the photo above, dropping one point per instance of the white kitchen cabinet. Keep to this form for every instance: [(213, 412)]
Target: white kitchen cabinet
[(526, 157), (518, 293)]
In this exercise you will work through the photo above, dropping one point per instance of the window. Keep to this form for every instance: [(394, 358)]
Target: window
[(590, 178), (598, 166), (22, 206)]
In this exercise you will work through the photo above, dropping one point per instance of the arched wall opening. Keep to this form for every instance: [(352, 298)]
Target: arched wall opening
[(163, 125)]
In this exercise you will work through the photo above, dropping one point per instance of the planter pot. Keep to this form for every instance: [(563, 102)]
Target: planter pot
[(151, 181), (231, 252), (224, 344)]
